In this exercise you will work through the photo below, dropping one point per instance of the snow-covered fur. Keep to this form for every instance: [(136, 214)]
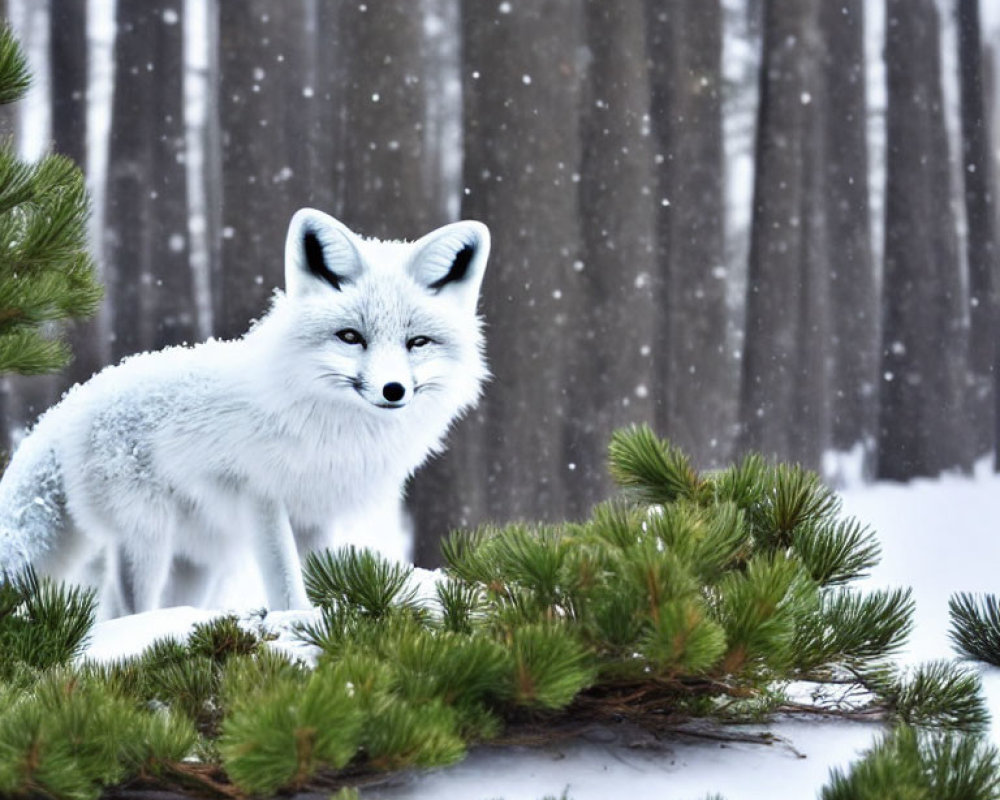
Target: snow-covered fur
[(156, 470)]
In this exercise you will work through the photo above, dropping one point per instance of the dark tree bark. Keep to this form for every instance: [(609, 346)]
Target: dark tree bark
[(782, 380), (68, 80), (521, 89), (611, 380), (991, 85), (854, 342), (696, 375), (68, 70), (923, 421), (264, 162), (983, 246), (146, 235), (8, 113), (979, 181), (322, 124), (387, 186)]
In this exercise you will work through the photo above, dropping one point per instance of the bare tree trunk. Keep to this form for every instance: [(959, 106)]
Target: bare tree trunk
[(386, 193), (991, 87), (68, 78), (146, 221), (853, 296), (263, 160), (609, 310), (69, 70), (696, 375), (521, 93), (8, 112), (983, 248), (923, 421), (781, 286), (812, 385)]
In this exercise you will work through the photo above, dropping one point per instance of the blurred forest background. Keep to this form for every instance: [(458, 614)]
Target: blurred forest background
[(756, 224)]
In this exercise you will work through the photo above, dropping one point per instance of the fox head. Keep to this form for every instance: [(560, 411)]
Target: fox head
[(387, 326)]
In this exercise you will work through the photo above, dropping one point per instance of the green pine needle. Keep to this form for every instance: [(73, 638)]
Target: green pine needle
[(549, 666), (221, 638), (46, 273), (836, 553), (975, 626), (757, 611), (651, 470), (907, 765), (358, 578), (14, 75), (400, 735), (798, 498), (940, 695), (455, 668), (683, 639), (42, 623), (280, 736), (854, 630), (462, 605)]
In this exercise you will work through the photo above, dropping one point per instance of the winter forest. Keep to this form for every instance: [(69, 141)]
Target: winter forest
[(755, 224)]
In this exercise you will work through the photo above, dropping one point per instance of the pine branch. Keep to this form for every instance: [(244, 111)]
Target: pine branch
[(357, 578), (909, 764), (939, 695), (42, 623), (46, 273), (222, 638), (462, 605), (836, 553), (853, 630), (975, 626), (278, 736), (14, 75), (549, 666), (650, 469)]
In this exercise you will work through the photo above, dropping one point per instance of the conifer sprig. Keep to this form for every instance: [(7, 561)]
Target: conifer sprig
[(940, 695), (975, 626), (46, 273), (42, 624), (15, 78), (651, 470), (909, 764), (360, 579), (706, 602)]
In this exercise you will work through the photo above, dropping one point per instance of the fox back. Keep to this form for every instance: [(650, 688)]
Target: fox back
[(154, 471)]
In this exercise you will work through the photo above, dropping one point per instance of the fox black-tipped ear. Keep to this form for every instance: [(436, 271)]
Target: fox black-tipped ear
[(452, 260), (319, 250)]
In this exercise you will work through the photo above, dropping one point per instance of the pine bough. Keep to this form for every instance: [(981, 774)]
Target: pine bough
[(691, 596)]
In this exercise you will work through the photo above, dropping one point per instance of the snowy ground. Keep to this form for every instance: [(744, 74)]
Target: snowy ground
[(938, 537)]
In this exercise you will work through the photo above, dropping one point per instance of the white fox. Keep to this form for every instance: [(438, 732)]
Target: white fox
[(156, 469)]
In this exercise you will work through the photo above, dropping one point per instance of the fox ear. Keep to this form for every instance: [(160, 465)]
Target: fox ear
[(452, 260), (319, 250)]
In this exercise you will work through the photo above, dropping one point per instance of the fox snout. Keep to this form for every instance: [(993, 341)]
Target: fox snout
[(393, 391), (390, 394)]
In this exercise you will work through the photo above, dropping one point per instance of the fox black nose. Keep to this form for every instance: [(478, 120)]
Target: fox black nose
[(393, 392)]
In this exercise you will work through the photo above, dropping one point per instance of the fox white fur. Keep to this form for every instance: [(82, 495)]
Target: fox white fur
[(158, 469)]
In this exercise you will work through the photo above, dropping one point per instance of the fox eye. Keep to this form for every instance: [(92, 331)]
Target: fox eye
[(351, 336), (418, 341)]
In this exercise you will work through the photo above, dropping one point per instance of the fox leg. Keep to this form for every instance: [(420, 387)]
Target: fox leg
[(310, 538), (278, 557), (144, 567), (189, 584)]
